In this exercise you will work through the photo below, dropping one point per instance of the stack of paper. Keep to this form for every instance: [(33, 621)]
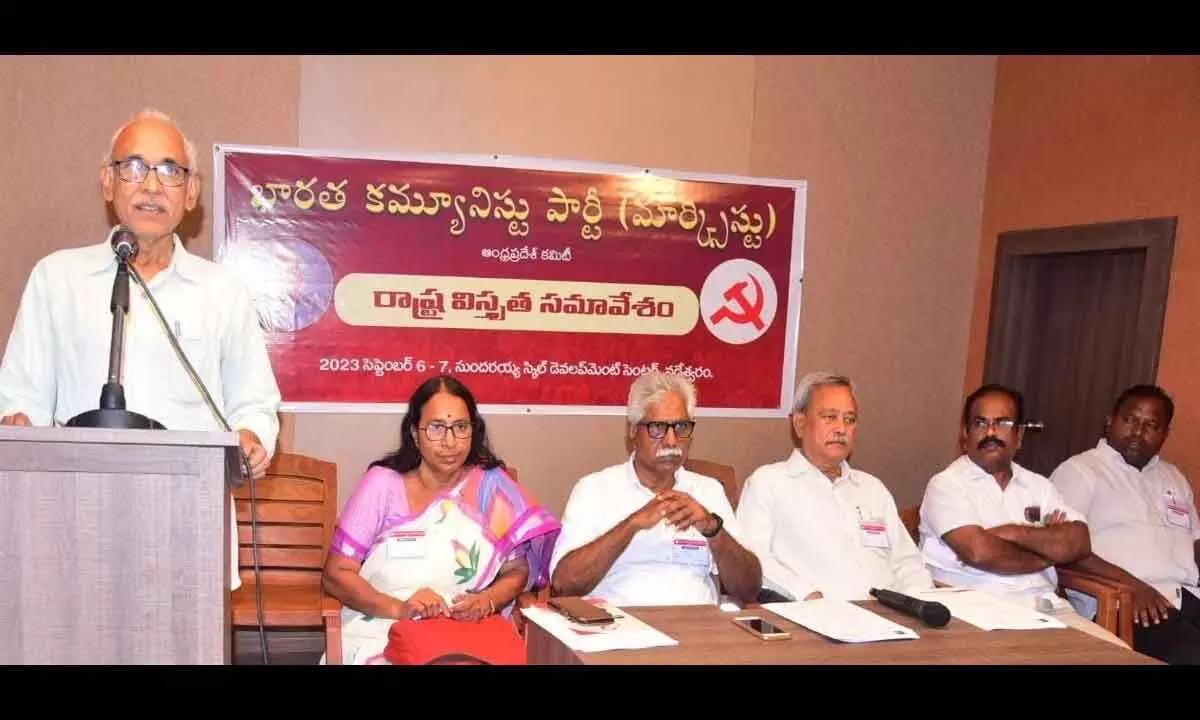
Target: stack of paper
[(988, 612), (841, 620), (624, 633)]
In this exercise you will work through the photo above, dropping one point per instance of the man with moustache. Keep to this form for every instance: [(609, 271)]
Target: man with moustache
[(1143, 525), (57, 356), (819, 527), (647, 531), (988, 523)]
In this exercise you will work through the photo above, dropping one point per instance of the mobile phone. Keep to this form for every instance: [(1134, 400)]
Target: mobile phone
[(761, 629), (581, 611)]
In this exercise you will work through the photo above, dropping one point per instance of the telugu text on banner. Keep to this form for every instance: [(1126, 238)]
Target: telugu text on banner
[(545, 286)]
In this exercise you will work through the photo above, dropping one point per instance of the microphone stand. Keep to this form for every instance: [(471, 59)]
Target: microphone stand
[(112, 412), (245, 464)]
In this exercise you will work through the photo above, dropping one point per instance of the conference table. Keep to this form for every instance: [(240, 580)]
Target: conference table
[(707, 636)]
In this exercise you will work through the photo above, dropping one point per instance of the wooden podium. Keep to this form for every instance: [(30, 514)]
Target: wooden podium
[(115, 546)]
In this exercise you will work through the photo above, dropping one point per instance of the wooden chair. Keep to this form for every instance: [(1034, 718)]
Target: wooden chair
[(911, 517), (1114, 604), (724, 473), (1114, 601), (296, 510)]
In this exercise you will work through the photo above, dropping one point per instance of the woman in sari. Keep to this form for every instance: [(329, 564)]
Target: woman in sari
[(435, 529)]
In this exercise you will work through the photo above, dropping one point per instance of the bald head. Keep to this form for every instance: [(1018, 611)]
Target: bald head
[(149, 176), (154, 117)]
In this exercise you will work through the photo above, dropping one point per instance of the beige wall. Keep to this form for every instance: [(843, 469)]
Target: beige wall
[(1078, 140), (57, 118), (894, 151)]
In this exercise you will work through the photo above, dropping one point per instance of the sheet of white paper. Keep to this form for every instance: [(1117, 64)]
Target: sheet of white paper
[(624, 633), (988, 612), (841, 620)]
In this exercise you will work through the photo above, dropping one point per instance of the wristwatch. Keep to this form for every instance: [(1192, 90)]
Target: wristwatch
[(717, 529)]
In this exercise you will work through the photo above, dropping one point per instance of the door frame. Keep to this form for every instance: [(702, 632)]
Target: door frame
[(1155, 235)]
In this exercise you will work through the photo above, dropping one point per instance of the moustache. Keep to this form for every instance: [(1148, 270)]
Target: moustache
[(669, 452), (991, 441)]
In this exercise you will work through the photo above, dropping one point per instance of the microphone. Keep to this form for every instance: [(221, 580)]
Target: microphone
[(933, 614), (124, 244), (112, 412)]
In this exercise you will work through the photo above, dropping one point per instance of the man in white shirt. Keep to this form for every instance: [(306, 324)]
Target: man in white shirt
[(1142, 518), (819, 527), (57, 357), (988, 523), (647, 531)]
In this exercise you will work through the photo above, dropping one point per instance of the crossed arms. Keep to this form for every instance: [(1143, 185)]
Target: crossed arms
[(1020, 549)]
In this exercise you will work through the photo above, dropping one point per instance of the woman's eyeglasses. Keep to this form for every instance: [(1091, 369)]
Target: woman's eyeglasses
[(436, 430)]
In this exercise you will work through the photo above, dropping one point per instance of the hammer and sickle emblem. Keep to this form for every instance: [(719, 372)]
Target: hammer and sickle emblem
[(746, 311)]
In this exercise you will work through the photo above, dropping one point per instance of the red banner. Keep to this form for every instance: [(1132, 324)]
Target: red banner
[(543, 286)]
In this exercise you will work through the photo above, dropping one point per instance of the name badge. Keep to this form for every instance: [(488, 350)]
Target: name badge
[(874, 534), (689, 551), (407, 545), (1179, 516)]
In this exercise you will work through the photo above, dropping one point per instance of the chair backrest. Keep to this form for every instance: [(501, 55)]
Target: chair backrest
[(911, 517), (296, 512), (724, 473)]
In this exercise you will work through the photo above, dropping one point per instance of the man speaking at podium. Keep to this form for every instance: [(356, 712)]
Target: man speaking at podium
[(55, 363)]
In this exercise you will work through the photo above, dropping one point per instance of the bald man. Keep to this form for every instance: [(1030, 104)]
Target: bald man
[(57, 356)]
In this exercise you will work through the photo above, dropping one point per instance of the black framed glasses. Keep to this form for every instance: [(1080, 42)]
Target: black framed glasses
[(135, 169), (657, 429), (437, 430)]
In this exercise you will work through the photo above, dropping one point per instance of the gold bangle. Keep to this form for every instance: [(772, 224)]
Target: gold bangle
[(491, 605)]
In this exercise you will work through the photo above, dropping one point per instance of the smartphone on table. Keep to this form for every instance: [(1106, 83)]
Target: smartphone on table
[(581, 611), (760, 628)]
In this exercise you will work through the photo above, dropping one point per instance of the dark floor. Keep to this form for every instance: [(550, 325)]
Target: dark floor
[(283, 647)]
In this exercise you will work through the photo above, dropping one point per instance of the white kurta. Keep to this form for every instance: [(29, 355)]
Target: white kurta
[(1141, 520), (660, 566), (840, 537), (966, 494), (57, 356)]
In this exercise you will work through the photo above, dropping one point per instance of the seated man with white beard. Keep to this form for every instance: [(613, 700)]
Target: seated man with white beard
[(646, 531)]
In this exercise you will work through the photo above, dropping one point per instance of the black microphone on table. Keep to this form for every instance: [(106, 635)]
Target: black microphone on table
[(933, 614)]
